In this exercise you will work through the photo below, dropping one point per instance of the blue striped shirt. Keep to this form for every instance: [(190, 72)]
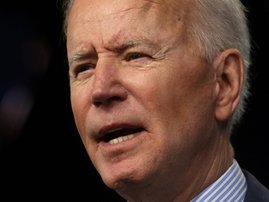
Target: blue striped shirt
[(230, 187)]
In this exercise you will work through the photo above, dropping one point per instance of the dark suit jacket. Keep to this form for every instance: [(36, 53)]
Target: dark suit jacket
[(256, 192)]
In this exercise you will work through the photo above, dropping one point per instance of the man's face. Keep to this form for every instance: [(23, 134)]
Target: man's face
[(143, 100)]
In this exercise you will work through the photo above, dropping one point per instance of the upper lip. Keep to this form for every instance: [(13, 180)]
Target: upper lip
[(111, 131)]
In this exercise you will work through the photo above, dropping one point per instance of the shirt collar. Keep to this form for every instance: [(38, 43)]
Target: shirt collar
[(231, 186)]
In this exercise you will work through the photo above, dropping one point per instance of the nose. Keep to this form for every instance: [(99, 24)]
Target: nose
[(107, 86)]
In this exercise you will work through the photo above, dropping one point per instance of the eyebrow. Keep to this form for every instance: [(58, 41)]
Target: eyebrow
[(79, 56), (128, 44), (118, 48), (125, 46)]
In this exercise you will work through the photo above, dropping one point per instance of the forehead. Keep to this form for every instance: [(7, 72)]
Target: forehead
[(106, 20), (101, 10), (114, 6)]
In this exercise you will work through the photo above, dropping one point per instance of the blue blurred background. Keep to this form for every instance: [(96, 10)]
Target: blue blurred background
[(41, 155)]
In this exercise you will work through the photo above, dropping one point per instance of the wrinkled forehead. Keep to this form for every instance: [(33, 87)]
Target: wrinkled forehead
[(98, 10), (106, 22)]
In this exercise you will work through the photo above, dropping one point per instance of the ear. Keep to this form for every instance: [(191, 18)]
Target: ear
[(229, 74)]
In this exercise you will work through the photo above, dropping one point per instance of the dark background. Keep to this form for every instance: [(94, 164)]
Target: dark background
[(42, 157)]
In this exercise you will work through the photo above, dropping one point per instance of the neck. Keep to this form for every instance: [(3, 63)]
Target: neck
[(177, 186), (206, 169)]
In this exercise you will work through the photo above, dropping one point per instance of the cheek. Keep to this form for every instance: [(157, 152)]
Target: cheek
[(179, 99), (149, 91), (79, 104)]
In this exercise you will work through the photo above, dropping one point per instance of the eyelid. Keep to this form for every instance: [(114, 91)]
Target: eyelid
[(136, 53), (81, 69)]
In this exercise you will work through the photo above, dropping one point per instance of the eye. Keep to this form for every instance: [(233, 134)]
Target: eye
[(83, 68), (82, 71), (135, 56)]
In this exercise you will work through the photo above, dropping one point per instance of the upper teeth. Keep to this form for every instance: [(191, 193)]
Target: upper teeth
[(120, 139)]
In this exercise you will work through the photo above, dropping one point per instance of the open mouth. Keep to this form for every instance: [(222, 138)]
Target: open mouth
[(119, 135)]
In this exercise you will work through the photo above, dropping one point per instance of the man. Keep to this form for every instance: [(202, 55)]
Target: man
[(156, 88)]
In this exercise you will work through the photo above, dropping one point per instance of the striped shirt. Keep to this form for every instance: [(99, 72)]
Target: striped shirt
[(230, 187)]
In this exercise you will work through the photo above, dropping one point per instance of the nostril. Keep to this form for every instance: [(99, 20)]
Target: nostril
[(106, 100), (109, 96)]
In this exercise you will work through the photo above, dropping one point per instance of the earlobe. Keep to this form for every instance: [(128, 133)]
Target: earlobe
[(229, 73)]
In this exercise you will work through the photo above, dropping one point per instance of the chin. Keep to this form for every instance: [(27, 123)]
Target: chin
[(123, 179), (119, 180)]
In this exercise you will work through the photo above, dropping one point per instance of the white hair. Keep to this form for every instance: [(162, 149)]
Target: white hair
[(219, 25)]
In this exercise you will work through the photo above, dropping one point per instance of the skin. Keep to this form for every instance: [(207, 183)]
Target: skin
[(133, 66)]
